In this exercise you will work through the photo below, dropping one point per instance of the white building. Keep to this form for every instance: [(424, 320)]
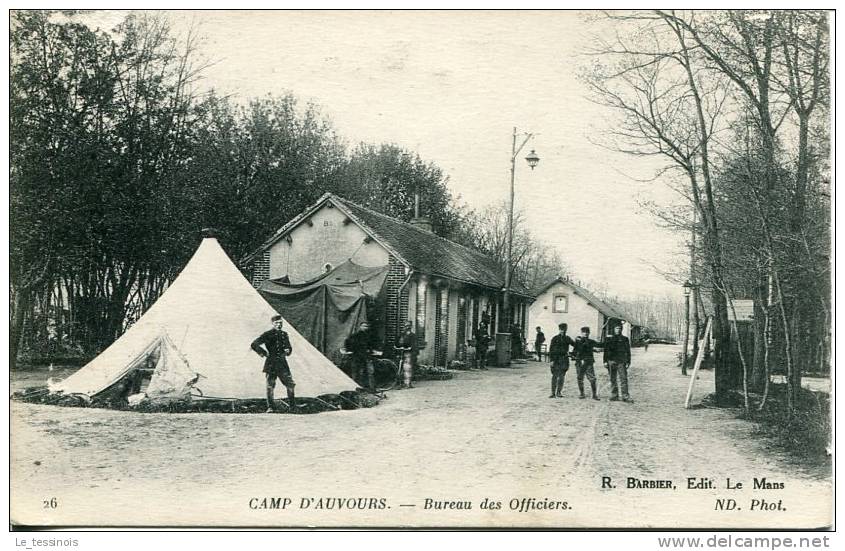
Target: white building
[(563, 301)]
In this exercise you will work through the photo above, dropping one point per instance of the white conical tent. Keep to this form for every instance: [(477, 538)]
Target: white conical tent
[(211, 315)]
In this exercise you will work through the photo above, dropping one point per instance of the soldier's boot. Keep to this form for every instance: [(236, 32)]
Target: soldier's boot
[(559, 388), (291, 399), (593, 386), (269, 400), (554, 386), (581, 389)]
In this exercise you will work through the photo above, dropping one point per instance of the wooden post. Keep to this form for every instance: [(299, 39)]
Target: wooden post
[(686, 331), (698, 359)]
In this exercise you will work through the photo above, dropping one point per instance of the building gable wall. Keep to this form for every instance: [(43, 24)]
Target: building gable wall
[(326, 237), (580, 313)]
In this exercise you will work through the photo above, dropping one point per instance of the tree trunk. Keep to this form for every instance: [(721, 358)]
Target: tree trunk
[(799, 352), (757, 369), (721, 345), (767, 340), (24, 300)]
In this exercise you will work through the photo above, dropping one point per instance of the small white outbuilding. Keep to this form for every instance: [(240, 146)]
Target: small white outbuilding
[(563, 301)]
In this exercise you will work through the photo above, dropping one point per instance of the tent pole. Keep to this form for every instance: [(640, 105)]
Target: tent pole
[(328, 404), (350, 401)]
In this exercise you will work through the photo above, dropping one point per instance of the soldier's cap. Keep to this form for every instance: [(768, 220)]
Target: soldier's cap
[(585, 329), (562, 326), (277, 317)]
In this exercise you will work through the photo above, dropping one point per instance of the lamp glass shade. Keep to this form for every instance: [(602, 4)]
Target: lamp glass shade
[(532, 159)]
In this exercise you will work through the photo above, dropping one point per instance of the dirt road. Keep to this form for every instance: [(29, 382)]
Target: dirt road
[(492, 434)]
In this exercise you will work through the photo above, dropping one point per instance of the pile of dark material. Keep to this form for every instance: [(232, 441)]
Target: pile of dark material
[(326, 402)]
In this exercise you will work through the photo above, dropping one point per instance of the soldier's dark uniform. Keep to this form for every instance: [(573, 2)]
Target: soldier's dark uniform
[(539, 340), (617, 357), (408, 342), (585, 363), (276, 342), (559, 356), (360, 345), (482, 341)]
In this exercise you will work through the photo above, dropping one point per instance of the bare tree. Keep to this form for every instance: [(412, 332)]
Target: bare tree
[(534, 263), (670, 107)]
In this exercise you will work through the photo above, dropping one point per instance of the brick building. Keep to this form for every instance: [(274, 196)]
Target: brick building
[(442, 287)]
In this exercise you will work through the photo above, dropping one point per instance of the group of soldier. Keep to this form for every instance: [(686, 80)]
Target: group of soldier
[(616, 358), (275, 346)]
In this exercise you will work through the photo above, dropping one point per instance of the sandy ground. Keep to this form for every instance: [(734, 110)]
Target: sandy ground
[(492, 434)]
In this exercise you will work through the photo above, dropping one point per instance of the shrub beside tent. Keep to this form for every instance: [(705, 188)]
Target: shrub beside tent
[(195, 341)]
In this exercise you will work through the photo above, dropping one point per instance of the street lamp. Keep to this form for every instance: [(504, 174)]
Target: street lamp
[(532, 159), (687, 289)]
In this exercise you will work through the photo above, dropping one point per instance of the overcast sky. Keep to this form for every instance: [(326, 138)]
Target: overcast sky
[(451, 86)]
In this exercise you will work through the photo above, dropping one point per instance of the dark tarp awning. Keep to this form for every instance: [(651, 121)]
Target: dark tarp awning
[(328, 308)]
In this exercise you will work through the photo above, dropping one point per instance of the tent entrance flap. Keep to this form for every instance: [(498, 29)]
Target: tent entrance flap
[(159, 370), (328, 308), (173, 376)]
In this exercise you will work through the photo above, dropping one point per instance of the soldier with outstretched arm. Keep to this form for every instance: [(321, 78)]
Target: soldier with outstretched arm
[(585, 361), (274, 345)]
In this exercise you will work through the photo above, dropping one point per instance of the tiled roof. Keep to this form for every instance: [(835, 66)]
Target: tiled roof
[(430, 253), (423, 251)]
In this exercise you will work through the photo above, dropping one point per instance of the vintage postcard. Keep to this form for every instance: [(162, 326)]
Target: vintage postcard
[(421, 269)]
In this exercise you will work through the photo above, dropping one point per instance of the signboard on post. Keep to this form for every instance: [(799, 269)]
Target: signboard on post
[(744, 309)]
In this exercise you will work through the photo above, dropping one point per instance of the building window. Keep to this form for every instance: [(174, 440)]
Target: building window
[(422, 286), (560, 304)]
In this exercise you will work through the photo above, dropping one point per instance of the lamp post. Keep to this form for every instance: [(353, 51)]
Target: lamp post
[(504, 320), (687, 289)]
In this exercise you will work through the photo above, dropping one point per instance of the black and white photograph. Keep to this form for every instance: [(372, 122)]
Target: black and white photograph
[(421, 270)]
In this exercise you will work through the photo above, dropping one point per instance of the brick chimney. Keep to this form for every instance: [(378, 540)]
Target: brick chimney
[(422, 222)]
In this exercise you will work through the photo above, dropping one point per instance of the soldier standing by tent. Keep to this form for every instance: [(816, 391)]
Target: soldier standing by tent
[(559, 356), (359, 344), (408, 349), (276, 349), (617, 358), (585, 362)]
